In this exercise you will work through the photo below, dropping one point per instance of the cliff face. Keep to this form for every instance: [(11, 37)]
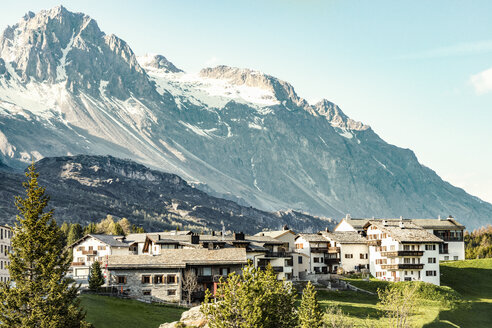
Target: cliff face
[(86, 188)]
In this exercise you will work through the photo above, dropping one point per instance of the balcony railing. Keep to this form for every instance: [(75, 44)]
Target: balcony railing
[(329, 261), (277, 254), (91, 252), (204, 279), (78, 263), (402, 253), (404, 266), (275, 268), (330, 250), (374, 242)]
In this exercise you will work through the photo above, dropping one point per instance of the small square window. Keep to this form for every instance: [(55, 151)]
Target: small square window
[(145, 279), (171, 292)]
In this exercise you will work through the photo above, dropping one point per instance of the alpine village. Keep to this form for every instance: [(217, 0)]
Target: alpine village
[(213, 200)]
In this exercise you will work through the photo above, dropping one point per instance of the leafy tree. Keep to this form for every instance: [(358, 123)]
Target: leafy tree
[(254, 299), (125, 225), (106, 225), (96, 278), (76, 232), (398, 302), (41, 295), (310, 315)]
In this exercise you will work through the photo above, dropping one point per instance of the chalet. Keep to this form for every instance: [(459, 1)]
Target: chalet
[(353, 255), (6, 234), (402, 251), (322, 254), (159, 277), (91, 248)]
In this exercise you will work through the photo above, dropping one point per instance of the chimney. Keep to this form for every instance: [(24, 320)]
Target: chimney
[(439, 217), (327, 230), (213, 232), (285, 227), (450, 217), (402, 225), (238, 236), (158, 237)]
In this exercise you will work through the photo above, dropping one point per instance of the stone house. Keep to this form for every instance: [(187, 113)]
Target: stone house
[(159, 277)]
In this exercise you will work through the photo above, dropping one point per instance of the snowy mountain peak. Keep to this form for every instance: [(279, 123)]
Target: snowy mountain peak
[(158, 62), (283, 91)]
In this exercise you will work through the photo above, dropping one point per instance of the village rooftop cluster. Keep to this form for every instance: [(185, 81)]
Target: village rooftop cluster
[(152, 266)]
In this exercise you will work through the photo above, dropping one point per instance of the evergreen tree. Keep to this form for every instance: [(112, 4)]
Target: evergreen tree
[(135, 229), (76, 232), (254, 299), (310, 315), (90, 229), (96, 278), (65, 228), (118, 230), (40, 295)]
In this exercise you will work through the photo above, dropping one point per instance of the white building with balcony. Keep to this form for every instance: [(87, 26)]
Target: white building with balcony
[(402, 251), (323, 255), (354, 252), (6, 234), (91, 248)]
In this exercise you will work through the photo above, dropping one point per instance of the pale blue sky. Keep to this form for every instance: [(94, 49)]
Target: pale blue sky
[(410, 69)]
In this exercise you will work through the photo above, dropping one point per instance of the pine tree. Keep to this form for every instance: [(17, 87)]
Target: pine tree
[(41, 296), (118, 230), (90, 229), (310, 315), (96, 278), (76, 232)]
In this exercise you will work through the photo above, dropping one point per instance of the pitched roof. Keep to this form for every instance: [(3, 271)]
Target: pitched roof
[(179, 258), (345, 237), (449, 223), (312, 237), (411, 233), (275, 234), (106, 239)]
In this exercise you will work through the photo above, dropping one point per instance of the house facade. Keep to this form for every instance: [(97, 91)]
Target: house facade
[(6, 234), (91, 248), (402, 251), (354, 252), (323, 256), (160, 277), (449, 230)]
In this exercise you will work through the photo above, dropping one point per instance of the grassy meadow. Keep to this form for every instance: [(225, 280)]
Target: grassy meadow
[(463, 300)]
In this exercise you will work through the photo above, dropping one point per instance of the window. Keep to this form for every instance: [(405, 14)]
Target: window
[(392, 247), (158, 279), (455, 258), (431, 273), (121, 279), (299, 259), (171, 292), (207, 271), (80, 259), (316, 260), (172, 279), (349, 256), (431, 260), (101, 248), (446, 258), (145, 279), (430, 247), (224, 271), (406, 260), (361, 256), (299, 246), (146, 292), (408, 278)]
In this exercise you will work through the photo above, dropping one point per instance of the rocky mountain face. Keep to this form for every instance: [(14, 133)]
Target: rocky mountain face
[(86, 188), (67, 88)]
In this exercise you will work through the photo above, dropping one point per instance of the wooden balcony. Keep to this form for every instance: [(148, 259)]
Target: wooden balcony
[(331, 250), (402, 253), (374, 242), (205, 279), (405, 266), (78, 263), (92, 252)]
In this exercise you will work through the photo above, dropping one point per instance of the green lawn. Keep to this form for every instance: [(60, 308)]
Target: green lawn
[(472, 279), (109, 312)]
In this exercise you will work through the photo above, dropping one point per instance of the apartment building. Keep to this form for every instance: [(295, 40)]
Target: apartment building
[(159, 277), (449, 230), (402, 251), (6, 234)]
